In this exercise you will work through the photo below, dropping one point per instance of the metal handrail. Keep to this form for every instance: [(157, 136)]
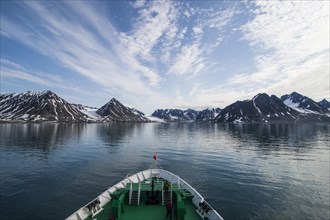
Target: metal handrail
[(139, 193), (162, 193), (130, 193), (153, 173)]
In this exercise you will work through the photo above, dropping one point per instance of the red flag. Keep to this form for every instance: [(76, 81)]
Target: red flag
[(155, 156)]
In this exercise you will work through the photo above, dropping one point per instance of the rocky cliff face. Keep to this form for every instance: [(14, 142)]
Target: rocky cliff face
[(207, 115)]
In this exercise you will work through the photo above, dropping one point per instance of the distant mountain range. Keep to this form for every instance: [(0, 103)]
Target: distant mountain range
[(178, 115), (175, 114), (47, 106), (264, 108)]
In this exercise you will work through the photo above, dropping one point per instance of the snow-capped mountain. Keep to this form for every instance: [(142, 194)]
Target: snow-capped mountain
[(176, 114), (325, 104), (47, 106), (303, 104), (262, 108), (38, 106), (117, 112), (207, 115)]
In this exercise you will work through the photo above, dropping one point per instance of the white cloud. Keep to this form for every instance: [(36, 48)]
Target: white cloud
[(194, 56), (291, 43), (138, 3), (219, 19), (310, 78), (197, 30), (154, 21), (187, 60), (10, 63), (289, 38), (78, 48), (18, 71)]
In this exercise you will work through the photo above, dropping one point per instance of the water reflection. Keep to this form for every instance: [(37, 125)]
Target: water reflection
[(45, 137), (113, 133), (276, 130), (295, 135)]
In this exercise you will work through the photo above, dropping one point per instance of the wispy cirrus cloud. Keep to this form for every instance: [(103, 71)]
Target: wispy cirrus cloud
[(286, 36), (9, 68), (79, 48), (189, 61), (291, 45), (194, 56)]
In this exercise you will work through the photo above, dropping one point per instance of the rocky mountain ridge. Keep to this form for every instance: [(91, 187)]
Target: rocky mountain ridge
[(38, 106), (47, 106), (175, 115), (292, 107), (207, 115), (303, 104), (261, 108)]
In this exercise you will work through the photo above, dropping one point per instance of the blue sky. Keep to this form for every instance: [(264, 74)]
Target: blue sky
[(165, 54)]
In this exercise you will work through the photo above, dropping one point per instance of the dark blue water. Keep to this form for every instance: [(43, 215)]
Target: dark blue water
[(246, 171)]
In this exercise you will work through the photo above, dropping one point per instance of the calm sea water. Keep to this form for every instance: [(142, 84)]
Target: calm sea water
[(245, 171)]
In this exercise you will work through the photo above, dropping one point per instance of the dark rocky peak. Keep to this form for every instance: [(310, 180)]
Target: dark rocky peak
[(294, 97), (325, 104), (261, 96), (175, 114), (114, 101), (190, 114), (106, 109), (48, 94), (303, 103), (116, 111), (207, 115)]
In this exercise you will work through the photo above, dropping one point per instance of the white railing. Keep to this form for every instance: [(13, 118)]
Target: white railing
[(139, 193), (130, 193), (162, 193), (197, 198), (83, 212)]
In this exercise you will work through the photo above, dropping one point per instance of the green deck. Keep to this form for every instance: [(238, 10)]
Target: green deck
[(180, 198)]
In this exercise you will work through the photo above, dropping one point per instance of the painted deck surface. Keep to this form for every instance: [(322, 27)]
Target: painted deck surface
[(149, 212), (146, 212)]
